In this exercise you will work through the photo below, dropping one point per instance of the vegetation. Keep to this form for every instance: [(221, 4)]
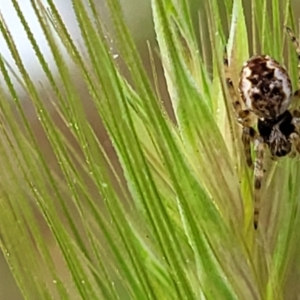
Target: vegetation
[(173, 219)]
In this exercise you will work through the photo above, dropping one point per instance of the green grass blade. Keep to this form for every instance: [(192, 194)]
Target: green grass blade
[(172, 218)]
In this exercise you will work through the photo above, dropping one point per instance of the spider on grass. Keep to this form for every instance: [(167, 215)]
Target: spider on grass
[(266, 92)]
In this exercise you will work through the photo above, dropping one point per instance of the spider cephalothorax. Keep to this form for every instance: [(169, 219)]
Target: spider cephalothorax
[(266, 92), (277, 133)]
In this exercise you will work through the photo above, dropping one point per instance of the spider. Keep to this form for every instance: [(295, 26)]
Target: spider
[(266, 92)]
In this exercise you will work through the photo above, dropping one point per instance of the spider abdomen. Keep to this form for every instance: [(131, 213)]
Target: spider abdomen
[(265, 87)]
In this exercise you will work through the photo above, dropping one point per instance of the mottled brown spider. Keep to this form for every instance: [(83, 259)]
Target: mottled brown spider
[(266, 92)]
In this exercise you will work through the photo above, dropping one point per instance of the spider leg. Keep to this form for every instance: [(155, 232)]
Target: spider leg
[(296, 119), (295, 136), (245, 118), (295, 139), (248, 136), (243, 115), (259, 148), (296, 44)]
